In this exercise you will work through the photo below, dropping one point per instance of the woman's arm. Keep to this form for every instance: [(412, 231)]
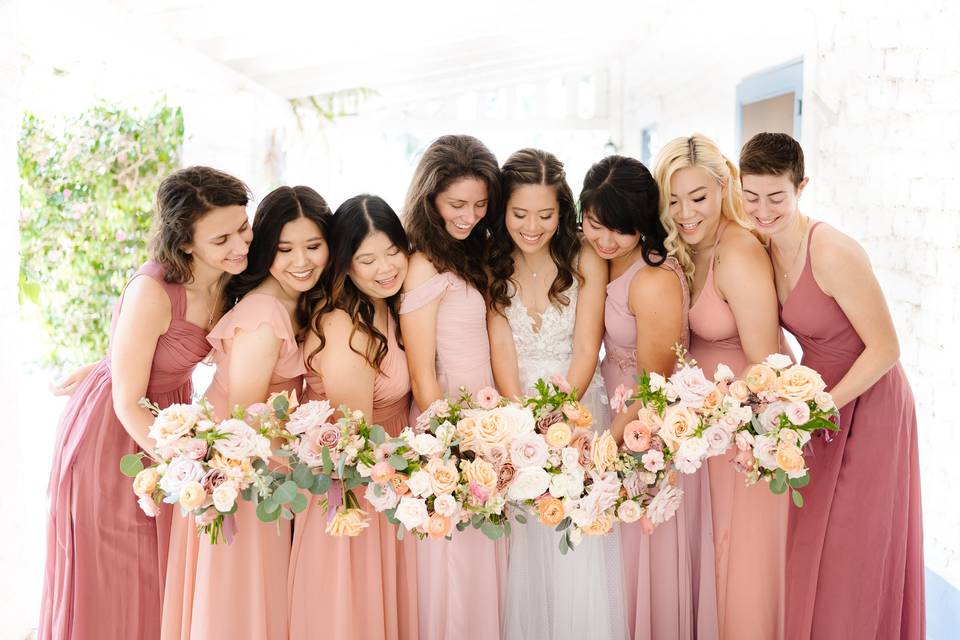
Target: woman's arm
[(68, 384), (253, 356), (843, 270), (745, 279), (656, 300), (588, 330), (503, 356), (144, 316), (348, 379), (419, 331)]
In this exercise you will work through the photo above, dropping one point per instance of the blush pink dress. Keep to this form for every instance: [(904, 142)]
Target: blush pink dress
[(670, 585), (105, 558), (461, 582), (237, 590), (361, 588), (749, 523), (855, 550)]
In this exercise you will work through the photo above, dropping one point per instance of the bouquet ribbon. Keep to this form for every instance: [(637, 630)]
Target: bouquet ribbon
[(229, 528), (334, 500)]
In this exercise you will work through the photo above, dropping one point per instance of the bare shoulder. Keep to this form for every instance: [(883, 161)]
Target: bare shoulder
[(833, 252), (590, 264), (655, 284), (146, 298), (419, 270), (741, 252), (336, 323)]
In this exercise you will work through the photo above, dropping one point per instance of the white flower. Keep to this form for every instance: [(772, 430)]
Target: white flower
[(411, 512), (529, 450), (718, 439), (495, 504), (653, 460), (382, 496), (419, 484), (225, 496), (629, 511), (823, 400), (205, 425), (571, 458), (240, 441), (567, 484), (446, 505), (723, 373), (664, 504), (769, 419), (174, 422), (581, 512), (528, 483), (778, 361), (446, 432), (604, 491), (149, 506), (765, 451), (308, 415), (179, 472), (517, 420), (693, 448), (691, 386), (744, 440), (657, 382), (798, 413), (427, 445), (576, 536), (687, 465), (671, 392)]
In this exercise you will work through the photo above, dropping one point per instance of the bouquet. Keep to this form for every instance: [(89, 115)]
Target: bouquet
[(788, 403)]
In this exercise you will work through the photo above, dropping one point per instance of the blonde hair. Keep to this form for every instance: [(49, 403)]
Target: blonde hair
[(696, 151)]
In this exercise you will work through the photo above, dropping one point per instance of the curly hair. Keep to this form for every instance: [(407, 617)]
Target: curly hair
[(354, 221), (448, 159), (534, 167)]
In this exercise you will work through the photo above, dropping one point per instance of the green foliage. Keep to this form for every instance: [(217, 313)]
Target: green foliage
[(86, 200)]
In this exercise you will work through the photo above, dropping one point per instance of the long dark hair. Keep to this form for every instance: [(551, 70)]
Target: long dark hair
[(446, 160), (622, 195), (355, 220), (185, 196), (280, 206), (525, 167)]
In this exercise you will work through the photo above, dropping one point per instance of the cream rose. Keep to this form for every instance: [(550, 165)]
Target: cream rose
[(739, 391), (679, 423), (761, 377), (629, 511), (801, 383), (411, 512), (419, 484), (603, 453), (225, 496), (146, 481), (427, 445), (174, 422), (529, 483), (443, 475), (480, 472), (790, 459)]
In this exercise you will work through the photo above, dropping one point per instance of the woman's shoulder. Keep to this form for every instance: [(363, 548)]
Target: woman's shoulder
[(419, 271)]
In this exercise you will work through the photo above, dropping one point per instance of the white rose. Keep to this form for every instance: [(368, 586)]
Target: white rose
[(225, 496), (419, 484), (567, 484), (691, 386), (582, 511), (528, 483), (686, 465), (174, 422), (148, 506), (718, 439), (205, 425), (571, 458), (411, 512), (382, 496), (179, 472), (798, 413), (722, 373), (309, 415), (657, 382), (446, 432), (447, 506), (693, 448), (629, 511), (778, 361), (517, 420), (765, 451), (770, 418), (427, 445), (240, 441), (529, 450), (671, 392)]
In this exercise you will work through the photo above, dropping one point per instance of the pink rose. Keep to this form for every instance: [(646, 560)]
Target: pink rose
[(148, 506), (528, 451), (691, 386), (192, 448), (487, 398), (583, 441), (744, 460), (798, 413)]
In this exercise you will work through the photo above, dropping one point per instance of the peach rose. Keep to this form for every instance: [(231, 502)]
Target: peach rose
[(801, 383), (650, 417), (491, 429), (467, 429), (585, 419), (636, 436), (192, 495), (712, 400), (481, 472), (398, 484), (679, 423), (739, 391), (382, 471), (146, 481), (550, 510), (443, 475), (603, 453), (790, 458), (559, 434), (438, 526), (759, 378), (600, 526)]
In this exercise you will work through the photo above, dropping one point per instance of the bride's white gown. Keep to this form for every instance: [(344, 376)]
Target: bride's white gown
[(550, 595)]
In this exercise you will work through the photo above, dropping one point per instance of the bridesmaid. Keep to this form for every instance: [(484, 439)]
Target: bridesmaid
[(670, 589), (239, 590), (854, 565), (369, 582), (461, 583), (105, 558), (733, 320)]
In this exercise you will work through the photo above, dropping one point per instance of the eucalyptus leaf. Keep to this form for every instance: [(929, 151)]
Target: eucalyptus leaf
[(131, 464), (267, 516), (321, 484), (797, 498), (285, 492), (302, 476), (299, 503), (398, 462)]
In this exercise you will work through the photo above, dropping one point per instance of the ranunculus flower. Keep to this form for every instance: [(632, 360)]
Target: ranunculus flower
[(528, 450), (149, 507), (381, 496), (618, 401), (487, 398), (443, 475), (192, 495), (559, 434), (636, 436), (679, 423), (761, 377), (309, 415), (550, 511), (426, 444), (629, 511), (146, 481), (438, 526), (529, 483), (790, 459), (778, 361), (481, 472), (653, 461), (225, 496), (603, 453), (801, 383), (174, 422), (691, 386), (446, 505), (347, 522), (411, 512)]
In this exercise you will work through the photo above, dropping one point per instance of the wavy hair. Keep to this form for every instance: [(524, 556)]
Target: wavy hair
[(280, 206), (354, 221), (696, 151), (534, 167), (448, 159)]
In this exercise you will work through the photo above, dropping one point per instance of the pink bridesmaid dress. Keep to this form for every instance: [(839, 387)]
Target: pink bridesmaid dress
[(855, 550), (237, 590), (461, 582), (362, 588), (670, 586), (105, 558), (749, 523)]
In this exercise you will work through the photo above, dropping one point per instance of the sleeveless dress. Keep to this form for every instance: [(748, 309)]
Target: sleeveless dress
[(855, 551), (105, 558), (365, 587), (749, 522), (670, 585), (551, 595), (461, 582), (236, 590)]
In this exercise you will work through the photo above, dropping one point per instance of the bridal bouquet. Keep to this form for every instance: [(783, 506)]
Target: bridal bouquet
[(205, 465), (788, 403)]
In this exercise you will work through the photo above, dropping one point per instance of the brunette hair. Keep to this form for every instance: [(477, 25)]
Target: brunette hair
[(622, 195), (448, 159), (185, 196), (534, 167), (773, 154), (280, 206), (354, 221)]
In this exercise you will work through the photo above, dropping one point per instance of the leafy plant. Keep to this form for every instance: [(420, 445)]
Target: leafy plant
[(86, 198)]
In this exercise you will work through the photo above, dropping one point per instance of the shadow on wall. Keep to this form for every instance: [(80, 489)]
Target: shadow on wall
[(943, 608)]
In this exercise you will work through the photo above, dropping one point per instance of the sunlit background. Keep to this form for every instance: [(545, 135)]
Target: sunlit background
[(345, 97)]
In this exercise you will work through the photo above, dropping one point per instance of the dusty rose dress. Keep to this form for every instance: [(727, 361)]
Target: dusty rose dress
[(236, 590), (105, 558), (749, 523), (670, 588), (461, 582), (855, 550), (364, 588)]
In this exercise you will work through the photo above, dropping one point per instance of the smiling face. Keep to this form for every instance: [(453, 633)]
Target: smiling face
[(462, 205), (378, 267), (771, 201), (221, 240), (608, 244), (532, 216), (302, 254), (696, 201)]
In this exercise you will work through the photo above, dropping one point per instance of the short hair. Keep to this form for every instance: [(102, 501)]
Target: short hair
[(773, 154)]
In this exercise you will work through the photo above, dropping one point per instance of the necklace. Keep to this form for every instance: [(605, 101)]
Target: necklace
[(803, 235), (213, 306), (532, 271)]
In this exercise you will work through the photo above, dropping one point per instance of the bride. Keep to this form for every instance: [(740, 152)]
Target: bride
[(546, 296)]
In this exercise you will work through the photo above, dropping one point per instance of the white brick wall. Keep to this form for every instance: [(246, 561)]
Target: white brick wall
[(880, 130)]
